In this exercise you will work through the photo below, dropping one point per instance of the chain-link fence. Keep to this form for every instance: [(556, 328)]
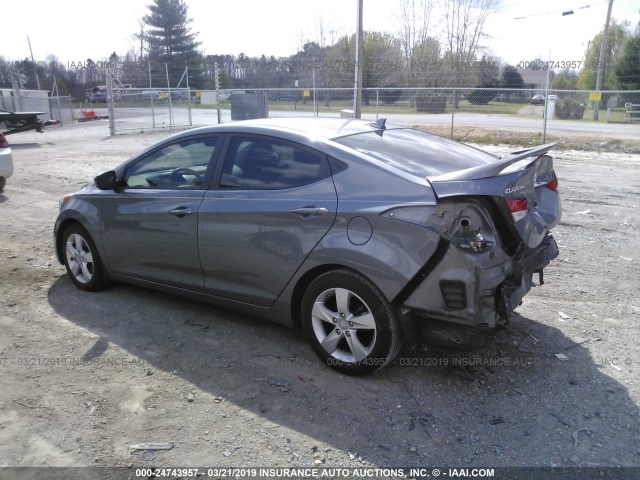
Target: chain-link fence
[(151, 108), (61, 109), (561, 104), (532, 110), (165, 104)]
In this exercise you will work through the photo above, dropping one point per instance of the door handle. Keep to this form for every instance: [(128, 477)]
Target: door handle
[(310, 211), (181, 211)]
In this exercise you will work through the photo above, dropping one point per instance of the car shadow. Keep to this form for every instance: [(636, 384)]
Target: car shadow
[(531, 396), (25, 146)]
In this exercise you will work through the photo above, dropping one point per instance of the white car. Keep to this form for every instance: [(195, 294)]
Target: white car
[(6, 161)]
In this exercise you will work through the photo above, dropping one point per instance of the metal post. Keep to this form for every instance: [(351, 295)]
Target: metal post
[(377, 102), (188, 94), (112, 120), (166, 69), (16, 83), (313, 76), (453, 111), (546, 103), (603, 47), (217, 79), (357, 93), (153, 111), (55, 86), (35, 70)]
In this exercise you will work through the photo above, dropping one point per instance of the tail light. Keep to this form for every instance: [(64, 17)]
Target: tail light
[(3, 141), (518, 207), (553, 183)]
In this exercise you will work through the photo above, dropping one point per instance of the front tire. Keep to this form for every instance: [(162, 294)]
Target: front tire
[(81, 259), (351, 326)]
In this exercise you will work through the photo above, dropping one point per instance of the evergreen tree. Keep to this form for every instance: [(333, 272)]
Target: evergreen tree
[(627, 68), (171, 41), (511, 77)]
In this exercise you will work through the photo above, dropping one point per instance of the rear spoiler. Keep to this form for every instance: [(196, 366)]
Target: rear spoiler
[(492, 169)]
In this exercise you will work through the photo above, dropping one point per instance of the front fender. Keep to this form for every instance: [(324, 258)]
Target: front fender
[(85, 212)]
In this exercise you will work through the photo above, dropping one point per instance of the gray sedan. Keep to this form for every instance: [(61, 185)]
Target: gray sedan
[(6, 161), (362, 234)]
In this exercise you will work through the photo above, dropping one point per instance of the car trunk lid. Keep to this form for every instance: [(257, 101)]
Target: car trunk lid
[(523, 185)]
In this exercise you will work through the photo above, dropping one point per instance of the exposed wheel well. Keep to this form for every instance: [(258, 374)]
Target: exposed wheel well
[(59, 244), (407, 324)]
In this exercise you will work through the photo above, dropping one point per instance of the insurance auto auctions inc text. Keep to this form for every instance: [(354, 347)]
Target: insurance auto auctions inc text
[(290, 472)]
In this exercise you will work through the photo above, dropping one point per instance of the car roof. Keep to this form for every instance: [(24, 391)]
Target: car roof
[(328, 128)]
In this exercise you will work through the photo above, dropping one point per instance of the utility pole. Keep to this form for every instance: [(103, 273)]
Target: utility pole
[(357, 88), (216, 75), (33, 60), (603, 49), (112, 118)]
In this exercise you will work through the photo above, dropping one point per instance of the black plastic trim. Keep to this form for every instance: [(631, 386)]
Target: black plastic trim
[(424, 272)]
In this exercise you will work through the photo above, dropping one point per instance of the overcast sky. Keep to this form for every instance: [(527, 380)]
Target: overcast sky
[(74, 30)]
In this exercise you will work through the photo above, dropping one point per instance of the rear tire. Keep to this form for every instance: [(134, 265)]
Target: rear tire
[(350, 325), (3, 182), (81, 259)]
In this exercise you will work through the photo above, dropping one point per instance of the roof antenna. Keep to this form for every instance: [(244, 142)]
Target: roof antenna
[(379, 124)]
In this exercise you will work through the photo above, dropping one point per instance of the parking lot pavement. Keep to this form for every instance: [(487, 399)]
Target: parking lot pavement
[(85, 376)]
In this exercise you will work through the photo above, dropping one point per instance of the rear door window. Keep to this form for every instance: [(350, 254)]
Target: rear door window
[(261, 163)]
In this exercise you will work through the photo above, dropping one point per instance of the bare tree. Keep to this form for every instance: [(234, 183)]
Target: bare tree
[(463, 22), (142, 38), (326, 36), (414, 18), (326, 33)]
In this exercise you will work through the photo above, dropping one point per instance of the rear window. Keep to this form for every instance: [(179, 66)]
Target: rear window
[(416, 152)]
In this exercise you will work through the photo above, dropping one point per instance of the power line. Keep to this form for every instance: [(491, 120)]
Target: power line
[(570, 11)]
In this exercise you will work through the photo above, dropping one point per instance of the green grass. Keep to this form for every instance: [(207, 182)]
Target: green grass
[(522, 139), (400, 107), (490, 108), (616, 116)]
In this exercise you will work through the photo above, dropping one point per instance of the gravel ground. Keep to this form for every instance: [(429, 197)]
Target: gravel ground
[(86, 375)]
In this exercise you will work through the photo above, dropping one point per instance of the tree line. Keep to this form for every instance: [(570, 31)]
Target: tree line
[(166, 47)]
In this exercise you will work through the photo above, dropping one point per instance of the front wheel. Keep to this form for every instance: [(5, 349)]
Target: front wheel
[(81, 259), (351, 326)]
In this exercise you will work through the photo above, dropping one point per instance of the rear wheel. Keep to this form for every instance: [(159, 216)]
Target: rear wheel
[(351, 326), (3, 182), (81, 259)]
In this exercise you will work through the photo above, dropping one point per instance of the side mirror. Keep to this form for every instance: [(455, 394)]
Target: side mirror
[(106, 181)]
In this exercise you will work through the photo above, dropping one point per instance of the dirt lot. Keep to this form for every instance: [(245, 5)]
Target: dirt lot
[(84, 376)]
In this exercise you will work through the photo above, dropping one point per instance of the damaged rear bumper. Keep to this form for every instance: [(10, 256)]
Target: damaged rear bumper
[(478, 289)]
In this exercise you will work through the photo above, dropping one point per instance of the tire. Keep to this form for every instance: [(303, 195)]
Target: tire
[(82, 260), (350, 325), (3, 182)]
